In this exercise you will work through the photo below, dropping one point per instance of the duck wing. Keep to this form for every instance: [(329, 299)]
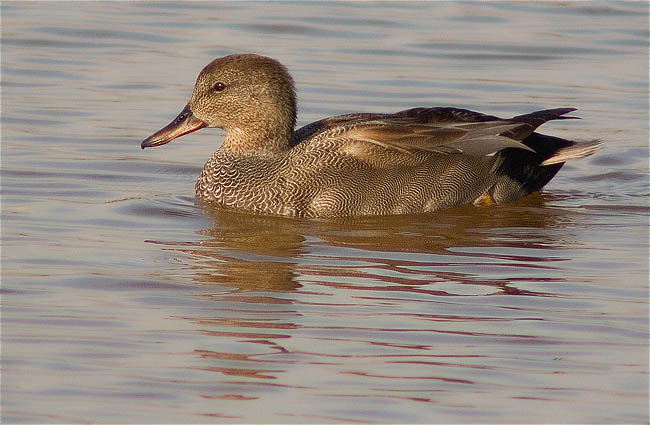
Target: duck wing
[(442, 130), (477, 138)]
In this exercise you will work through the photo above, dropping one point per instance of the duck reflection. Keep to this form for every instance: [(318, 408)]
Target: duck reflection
[(261, 253), (296, 293), (249, 253)]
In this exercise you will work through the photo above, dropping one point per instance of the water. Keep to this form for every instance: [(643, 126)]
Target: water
[(124, 302)]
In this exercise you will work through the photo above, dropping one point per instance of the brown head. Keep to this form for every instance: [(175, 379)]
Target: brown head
[(251, 97)]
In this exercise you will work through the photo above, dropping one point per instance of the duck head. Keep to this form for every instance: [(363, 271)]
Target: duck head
[(251, 97)]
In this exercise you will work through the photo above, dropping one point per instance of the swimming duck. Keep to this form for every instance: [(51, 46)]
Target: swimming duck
[(413, 161)]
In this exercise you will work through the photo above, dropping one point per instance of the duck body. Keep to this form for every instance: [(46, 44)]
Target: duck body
[(414, 161), (325, 174)]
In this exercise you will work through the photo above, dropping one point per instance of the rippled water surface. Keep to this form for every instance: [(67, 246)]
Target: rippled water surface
[(123, 301)]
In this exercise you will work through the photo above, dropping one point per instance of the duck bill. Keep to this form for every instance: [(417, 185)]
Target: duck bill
[(183, 124)]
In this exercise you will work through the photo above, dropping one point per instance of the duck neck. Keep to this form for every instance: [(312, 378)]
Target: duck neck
[(244, 142), (258, 143)]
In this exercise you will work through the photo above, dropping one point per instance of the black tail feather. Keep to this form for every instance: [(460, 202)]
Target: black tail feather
[(535, 119), (523, 172)]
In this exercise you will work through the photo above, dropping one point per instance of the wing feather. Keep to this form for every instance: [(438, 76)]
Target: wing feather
[(394, 138), (476, 139)]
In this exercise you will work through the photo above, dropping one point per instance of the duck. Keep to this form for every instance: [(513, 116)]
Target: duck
[(418, 160)]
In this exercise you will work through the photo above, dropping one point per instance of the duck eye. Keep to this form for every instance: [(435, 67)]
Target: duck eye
[(219, 86)]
